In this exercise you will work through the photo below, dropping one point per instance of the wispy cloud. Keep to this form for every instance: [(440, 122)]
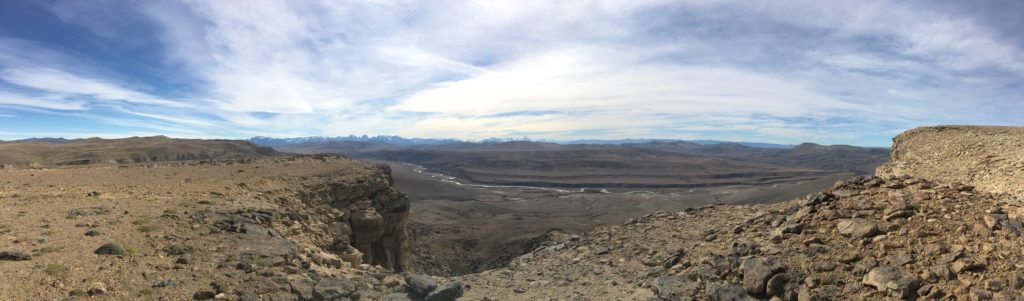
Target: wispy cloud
[(786, 71)]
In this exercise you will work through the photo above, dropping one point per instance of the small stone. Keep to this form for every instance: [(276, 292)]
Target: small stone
[(966, 264), (893, 185), (857, 228), (96, 289), (183, 260), (246, 266), (164, 283), (938, 272), (742, 248), (92, 232), (818, 198), (110, 249), (204, 295), (710, 237), (801, 214), (993, 220)]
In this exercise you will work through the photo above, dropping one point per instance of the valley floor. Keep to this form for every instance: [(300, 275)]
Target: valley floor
[(460, 229)]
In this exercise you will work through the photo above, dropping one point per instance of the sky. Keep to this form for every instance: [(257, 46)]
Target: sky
[(831, 72)]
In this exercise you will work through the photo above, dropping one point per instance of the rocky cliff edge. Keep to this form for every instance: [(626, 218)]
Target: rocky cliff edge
[(892, 236)]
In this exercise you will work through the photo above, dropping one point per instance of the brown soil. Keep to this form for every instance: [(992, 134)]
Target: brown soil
[(210, 209)]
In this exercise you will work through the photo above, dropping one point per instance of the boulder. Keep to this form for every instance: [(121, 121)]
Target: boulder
[(420, 284), (333, 289), (449, 292), (857, 228), (756, 272), (301, 285), (892, 279), (727, 292), (14, 256), (672, 287)]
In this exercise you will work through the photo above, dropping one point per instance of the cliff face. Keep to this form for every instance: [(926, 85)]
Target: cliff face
[(989, 158), (364, 213)]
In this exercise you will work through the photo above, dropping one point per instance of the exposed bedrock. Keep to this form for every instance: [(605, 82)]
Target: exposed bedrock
[(366, 213)]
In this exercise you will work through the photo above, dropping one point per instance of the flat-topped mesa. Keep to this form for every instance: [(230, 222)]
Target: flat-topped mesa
[(988, 157), (366, 213)]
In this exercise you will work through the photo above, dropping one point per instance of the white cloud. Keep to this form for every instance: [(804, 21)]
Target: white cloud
[(797, 69), (43, 102), (60, 82)]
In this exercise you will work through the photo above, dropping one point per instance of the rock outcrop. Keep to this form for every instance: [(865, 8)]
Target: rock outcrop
[(989, 158), (365, 213)]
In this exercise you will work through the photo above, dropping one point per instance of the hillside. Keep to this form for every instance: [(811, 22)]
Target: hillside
[(989, 158), (807, 155), (868, 238), (43, 152), (269, 228)]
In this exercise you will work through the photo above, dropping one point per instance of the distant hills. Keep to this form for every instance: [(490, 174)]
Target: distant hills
[(58, 151), (630, 163), (398, 140)]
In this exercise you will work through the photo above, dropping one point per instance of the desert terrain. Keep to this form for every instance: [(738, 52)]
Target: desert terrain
[(478, 205), (327, 227), (234, 229), (459, 228)]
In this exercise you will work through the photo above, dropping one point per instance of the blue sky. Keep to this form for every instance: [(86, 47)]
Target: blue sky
[(832, 72)]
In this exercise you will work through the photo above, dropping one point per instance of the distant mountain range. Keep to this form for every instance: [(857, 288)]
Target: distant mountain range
[(398, 140), (394, 140)]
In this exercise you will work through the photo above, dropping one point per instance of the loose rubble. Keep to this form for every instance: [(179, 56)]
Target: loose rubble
[(868, 238)]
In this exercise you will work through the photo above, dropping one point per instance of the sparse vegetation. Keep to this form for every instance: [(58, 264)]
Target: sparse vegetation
[(178, 249), (144, 224), (59, 271), (145, 220), (46, 250), (220, 287), (111, 249), (147, 228)]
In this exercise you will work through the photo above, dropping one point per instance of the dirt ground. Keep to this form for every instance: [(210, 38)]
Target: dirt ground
[(61, 216)]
